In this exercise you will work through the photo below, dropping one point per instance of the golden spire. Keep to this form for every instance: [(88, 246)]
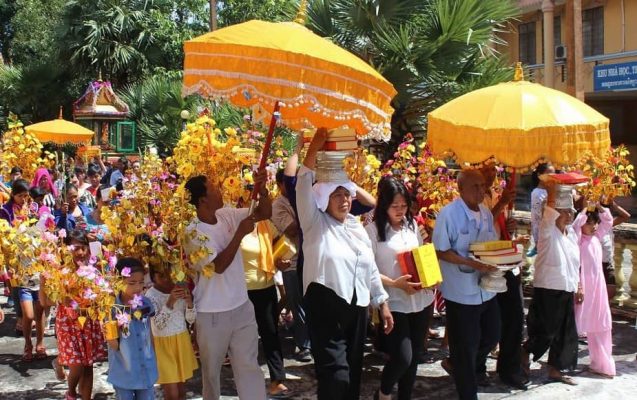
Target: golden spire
[(301, 15), (519, 72)]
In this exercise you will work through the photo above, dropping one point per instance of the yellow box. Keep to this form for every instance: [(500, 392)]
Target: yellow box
[(283, 249), (427, 265)]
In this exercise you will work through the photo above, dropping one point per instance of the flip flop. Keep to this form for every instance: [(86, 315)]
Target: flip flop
[(567, 380)]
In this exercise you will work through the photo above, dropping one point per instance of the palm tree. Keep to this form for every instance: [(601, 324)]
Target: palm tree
[(156, 104), (35, 91), (106, 35), (430, 50)]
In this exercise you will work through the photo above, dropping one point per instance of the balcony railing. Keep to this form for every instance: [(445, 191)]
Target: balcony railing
[(625, 297)]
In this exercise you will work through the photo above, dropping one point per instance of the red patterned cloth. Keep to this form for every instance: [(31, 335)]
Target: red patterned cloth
[(78, 345)]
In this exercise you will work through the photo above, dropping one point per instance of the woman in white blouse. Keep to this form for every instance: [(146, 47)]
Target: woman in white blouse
[(395, 231), (340, 278)]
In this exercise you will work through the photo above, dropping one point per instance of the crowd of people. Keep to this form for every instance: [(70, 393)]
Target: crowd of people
[(344, 266)]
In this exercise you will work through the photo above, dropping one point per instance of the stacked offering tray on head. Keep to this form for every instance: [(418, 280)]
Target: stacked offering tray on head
[(329, 166), (566, 178), (341, 139)]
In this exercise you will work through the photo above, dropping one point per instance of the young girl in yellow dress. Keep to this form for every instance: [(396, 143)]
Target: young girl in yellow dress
[(176, 360)]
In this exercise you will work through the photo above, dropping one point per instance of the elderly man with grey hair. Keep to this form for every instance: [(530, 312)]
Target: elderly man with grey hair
[(473, 315)]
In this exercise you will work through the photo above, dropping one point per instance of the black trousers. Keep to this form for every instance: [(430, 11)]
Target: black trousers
[(511, 305), (266, 312), (474, 330), (404, 343), (337, 332), (551, 326)]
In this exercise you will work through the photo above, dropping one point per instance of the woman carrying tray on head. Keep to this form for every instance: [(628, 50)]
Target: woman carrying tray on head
[(340, 278), (394, 231)]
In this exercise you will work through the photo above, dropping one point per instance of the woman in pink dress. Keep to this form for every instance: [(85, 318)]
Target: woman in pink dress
[(592, 311)]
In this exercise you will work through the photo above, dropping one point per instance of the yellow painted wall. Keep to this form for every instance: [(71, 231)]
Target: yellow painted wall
[(612, 38)]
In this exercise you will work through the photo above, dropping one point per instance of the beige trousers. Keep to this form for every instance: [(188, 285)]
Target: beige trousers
[(233, 332)]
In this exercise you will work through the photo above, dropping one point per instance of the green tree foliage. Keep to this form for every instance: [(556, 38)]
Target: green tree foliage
[(128, 39), (34, 24), (235, 11), (7, 11), (430, 50), (155, 105)]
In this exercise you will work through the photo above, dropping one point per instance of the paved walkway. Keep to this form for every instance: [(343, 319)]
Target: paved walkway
[(36, 380)]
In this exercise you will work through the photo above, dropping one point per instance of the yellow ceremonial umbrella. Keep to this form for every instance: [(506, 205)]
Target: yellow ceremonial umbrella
[(60, 131), (314, 82), (518, 124)]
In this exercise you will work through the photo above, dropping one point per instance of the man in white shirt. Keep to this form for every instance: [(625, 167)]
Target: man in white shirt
[(225, 316), (551, 317)]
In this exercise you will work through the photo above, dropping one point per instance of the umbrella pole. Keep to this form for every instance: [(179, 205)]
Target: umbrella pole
[(510, 209), (264, 156)]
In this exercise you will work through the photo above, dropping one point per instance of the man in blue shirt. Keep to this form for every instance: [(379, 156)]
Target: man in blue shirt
[(473, 316)]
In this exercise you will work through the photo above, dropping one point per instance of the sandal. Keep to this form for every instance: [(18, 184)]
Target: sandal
[(68, 396), (40, 353), (27, 356), (562, 379)]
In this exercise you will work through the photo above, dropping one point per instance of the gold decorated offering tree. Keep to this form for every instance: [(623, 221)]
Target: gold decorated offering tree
[(23, 150), (363, 169), (427, 176), (611, 175)]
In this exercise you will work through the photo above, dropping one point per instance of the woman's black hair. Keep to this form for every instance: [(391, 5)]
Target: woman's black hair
[(93, 169), (539, 170), (35, 193), (197, 188), (71, 186), (593, 216), (76, 235), (388, 188), (280, 174), (79, 170), (16, 170), (134, 264), (19, 186)]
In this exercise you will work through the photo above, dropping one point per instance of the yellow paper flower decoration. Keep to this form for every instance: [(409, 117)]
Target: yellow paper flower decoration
[(21, 149)]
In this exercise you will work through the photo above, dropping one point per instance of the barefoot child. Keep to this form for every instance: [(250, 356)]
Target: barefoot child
[(175, 356), (132, 368)]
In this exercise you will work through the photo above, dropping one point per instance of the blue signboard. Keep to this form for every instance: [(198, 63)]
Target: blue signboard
[(615, 76)]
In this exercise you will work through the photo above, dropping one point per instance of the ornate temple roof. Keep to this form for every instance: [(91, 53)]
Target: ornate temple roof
[(99, 101)]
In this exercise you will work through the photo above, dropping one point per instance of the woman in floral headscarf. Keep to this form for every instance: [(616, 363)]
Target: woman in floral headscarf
[(43, 181)]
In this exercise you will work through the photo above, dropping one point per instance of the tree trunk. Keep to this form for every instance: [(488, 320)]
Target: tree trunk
[(213, 15)]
